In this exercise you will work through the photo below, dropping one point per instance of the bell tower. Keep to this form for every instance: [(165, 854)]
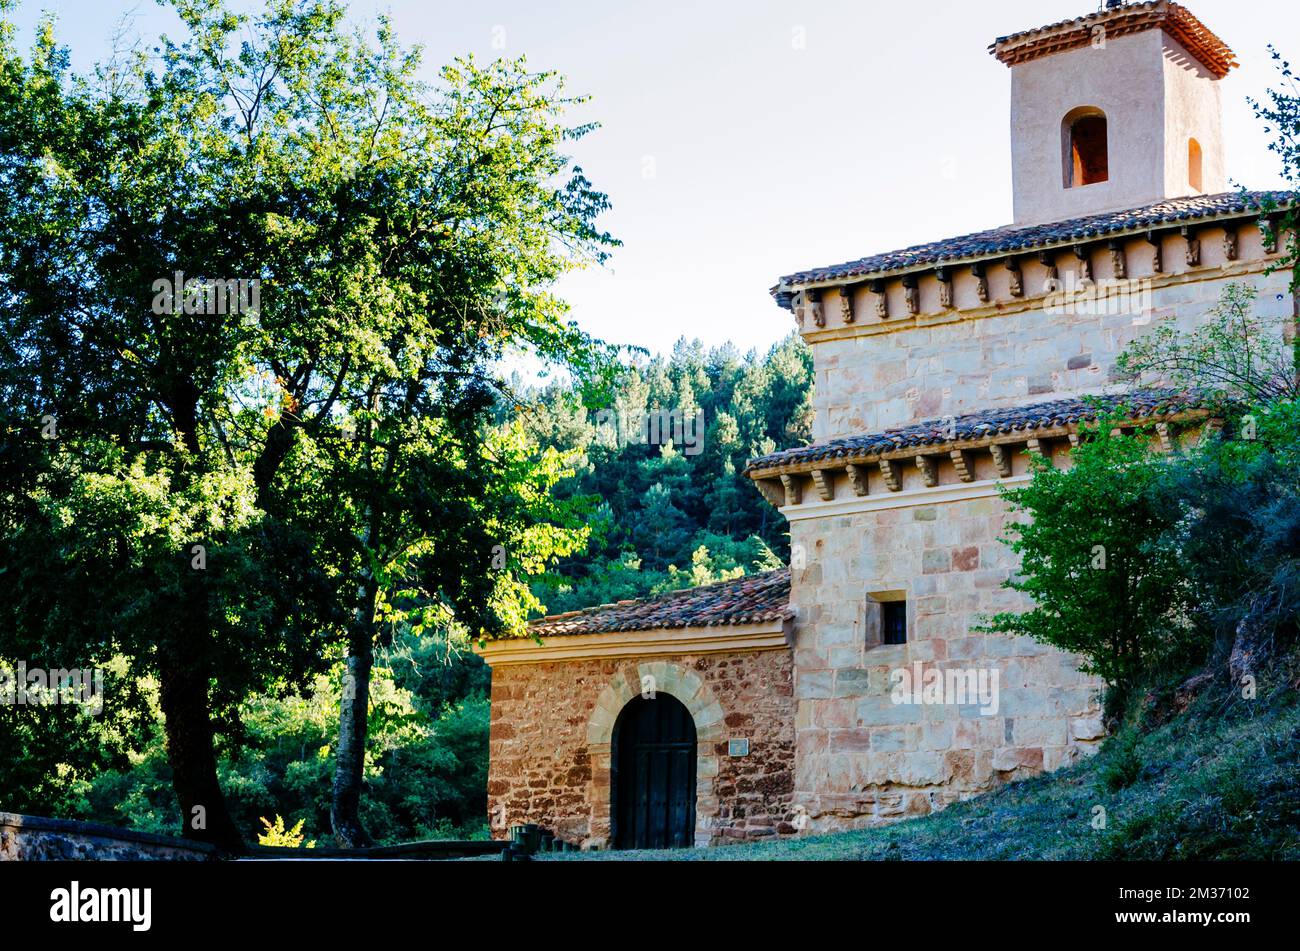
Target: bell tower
[(1114, 110)]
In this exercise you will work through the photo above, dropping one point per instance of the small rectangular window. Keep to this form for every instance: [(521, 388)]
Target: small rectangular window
[(893, 622)]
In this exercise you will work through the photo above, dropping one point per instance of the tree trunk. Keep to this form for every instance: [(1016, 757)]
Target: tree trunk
[(183, 677), (354, 710), (183, 692), (349, 767)]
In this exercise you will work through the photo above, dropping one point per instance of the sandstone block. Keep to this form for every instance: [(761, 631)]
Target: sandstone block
[(1087, 728)]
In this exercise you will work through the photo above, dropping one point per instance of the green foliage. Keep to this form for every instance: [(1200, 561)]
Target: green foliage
[(1098, 561), (426, 766), (50, 755), (1241, 542), (1235, 356), (671, 516), (1119, 765), (332, 447)]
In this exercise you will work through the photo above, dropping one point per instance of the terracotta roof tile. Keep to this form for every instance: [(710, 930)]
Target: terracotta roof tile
[(1175, 19), (1023, 238), (748, 600), (1147, 404)]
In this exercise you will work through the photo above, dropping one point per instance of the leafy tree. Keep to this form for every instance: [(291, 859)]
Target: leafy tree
[(1099, 561), (325, 447)]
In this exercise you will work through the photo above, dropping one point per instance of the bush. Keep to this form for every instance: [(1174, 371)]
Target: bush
[(1241, 542), (275, 834), (1120, 764)]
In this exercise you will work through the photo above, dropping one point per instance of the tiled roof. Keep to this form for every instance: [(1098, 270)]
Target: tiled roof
[(1149, 404), (1010, 238), (1175, 19), (748, 600)]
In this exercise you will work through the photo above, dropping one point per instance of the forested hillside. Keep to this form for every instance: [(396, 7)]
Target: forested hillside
[(672, 514)]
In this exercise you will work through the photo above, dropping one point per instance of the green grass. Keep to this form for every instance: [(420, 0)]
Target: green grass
[(1221, 781)]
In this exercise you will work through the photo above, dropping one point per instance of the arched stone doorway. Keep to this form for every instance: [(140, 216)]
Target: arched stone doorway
[(653, 759), (668, 679)]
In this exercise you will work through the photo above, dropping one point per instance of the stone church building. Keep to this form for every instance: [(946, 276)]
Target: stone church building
[(766, 706)]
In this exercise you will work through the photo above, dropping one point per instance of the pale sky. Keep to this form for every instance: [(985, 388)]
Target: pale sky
[(741, 141)]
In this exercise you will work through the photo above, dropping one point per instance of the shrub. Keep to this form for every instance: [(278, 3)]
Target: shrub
[(1098, 559), (275, 834), (1120, 764)]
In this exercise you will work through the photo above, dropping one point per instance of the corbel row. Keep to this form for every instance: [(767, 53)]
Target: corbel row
[(810, 305), (792, 488), (821, 479)]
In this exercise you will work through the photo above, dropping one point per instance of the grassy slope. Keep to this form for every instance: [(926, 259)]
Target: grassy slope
[(1222, 781)]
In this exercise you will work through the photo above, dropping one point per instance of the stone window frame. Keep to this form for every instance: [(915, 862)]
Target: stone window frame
[(873, 620), (682, 684)]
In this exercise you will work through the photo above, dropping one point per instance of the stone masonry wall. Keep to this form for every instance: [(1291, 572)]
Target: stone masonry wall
[(552, 725), (862, 759)]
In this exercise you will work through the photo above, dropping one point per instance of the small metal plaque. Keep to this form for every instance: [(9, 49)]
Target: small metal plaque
[(738, 747)]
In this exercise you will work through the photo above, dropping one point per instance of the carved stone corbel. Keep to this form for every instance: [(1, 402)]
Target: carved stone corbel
[(893, 478), (1268, 227), (846, 303), (1001, 459), (962, 464), (1118, 259), (981, 281), (1048, 260), (1085, 262), (825, 486), (1156, 240), (911, 294), (773, 491), (818, 313), (1193, 246), (857, 478), (882, 300), (1035, 447), (944, 276), (1230, 243), (929, 470), (793, 489), (1017, 277)]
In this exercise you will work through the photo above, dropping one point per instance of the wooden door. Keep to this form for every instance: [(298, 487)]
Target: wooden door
[(653, 785)]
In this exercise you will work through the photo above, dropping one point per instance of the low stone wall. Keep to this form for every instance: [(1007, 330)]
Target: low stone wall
[(552, 727), (34, 839)]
